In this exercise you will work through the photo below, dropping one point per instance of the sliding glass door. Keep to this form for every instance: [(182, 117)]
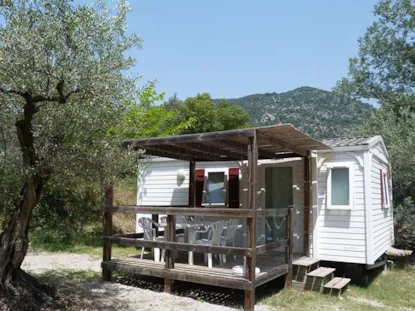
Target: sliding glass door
[(278, 194)]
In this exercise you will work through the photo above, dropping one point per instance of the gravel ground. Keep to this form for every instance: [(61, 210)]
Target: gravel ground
[(128, 293)]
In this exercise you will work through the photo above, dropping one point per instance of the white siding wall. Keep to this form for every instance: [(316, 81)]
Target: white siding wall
[(341, 233), (382, 220), (158, 185)]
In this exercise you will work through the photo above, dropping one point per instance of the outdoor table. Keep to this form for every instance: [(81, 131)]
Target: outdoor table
[(190, 227)]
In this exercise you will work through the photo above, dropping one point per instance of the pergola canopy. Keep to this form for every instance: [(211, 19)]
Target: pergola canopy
[(274, 142)]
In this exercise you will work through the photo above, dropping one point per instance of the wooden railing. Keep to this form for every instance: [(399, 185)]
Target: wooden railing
[(182, 211), (171, 246)]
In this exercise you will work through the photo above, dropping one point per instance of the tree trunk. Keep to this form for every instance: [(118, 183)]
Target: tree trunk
[(15, 284), (18, 290)]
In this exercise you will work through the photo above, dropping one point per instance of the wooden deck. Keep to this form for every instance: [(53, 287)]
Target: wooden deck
[(271, 264)]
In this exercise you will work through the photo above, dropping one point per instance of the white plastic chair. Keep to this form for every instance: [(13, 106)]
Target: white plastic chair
[(214, 231), (228, 236), (149, 233)]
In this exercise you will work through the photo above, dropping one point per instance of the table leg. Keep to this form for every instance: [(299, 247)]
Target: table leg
[(190, 238)]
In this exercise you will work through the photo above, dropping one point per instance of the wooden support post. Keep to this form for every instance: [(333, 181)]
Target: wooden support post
[(192, 183), (289, 249), (251, 222), (307, 203), (107, 202), (171, 236), (155, 218)]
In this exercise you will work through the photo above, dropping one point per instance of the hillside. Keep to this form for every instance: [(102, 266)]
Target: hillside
[(319, 113)]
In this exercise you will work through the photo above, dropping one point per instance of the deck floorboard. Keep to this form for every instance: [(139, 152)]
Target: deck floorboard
[(272, 265)]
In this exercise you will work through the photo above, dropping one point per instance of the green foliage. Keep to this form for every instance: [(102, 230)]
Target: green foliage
[(63, 65), (319, 113), (404, 217), (145, 119), (384, 71), (203, 115), (65, 210), (398, 132)]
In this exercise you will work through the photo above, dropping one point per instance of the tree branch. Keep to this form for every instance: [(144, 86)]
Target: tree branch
[(61, 98), (11, 91)]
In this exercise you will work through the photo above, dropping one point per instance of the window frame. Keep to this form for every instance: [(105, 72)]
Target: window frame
[(385, 189), (225, 187), (329, 205)]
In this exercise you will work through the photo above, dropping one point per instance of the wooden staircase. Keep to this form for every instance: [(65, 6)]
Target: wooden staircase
[(309, 276)]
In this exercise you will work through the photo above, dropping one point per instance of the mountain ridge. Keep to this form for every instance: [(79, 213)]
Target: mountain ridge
[(317, 112)]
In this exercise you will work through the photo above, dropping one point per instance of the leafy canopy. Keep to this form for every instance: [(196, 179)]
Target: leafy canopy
[(384, 70), (385, 67), (62, 74), (203, 115), (143, 118)]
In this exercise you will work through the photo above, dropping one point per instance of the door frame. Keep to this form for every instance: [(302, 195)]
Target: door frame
[(297, 166)]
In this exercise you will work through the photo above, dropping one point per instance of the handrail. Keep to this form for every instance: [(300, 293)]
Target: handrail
[(178, 246), (183, 211)]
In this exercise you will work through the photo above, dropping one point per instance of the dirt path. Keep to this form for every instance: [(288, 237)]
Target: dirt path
[(69, 271)]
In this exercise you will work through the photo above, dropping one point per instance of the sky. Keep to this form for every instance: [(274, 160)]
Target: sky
[(233, 48)]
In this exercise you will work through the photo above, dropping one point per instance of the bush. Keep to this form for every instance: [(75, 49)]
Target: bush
[(65, 210), (404, 217)]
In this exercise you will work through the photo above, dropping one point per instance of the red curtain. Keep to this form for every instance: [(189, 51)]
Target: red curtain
[(233, 188), (382, 198)]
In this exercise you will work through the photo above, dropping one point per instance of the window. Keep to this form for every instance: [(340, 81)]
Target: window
[(215, 190), (339, 191), (217, 187), (385, 190)]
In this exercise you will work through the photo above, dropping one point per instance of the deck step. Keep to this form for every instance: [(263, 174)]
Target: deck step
[(321, 272), (305, 261), (337, 283)]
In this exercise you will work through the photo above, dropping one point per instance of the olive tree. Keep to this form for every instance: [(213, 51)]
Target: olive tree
[(62, 82)]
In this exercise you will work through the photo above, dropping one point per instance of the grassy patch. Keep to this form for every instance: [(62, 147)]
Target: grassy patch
[(391, 291), (88, 241), (394, 289), (117, 250), (55, 277)]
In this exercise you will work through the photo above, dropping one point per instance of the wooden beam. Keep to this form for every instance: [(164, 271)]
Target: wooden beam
[(251, 228), (179, 150), (214, 150), (307, 204), (273, 141), (180, 275), (107, 201), (289, 249), (263, 154), (190, 138), (166, 154), (192, 183), (184, 211), (177, 246), (262, 249)]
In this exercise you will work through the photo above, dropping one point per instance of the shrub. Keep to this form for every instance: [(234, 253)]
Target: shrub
[(404, 217)]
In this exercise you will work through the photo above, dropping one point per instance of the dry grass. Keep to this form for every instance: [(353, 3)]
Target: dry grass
[(125, 193)]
